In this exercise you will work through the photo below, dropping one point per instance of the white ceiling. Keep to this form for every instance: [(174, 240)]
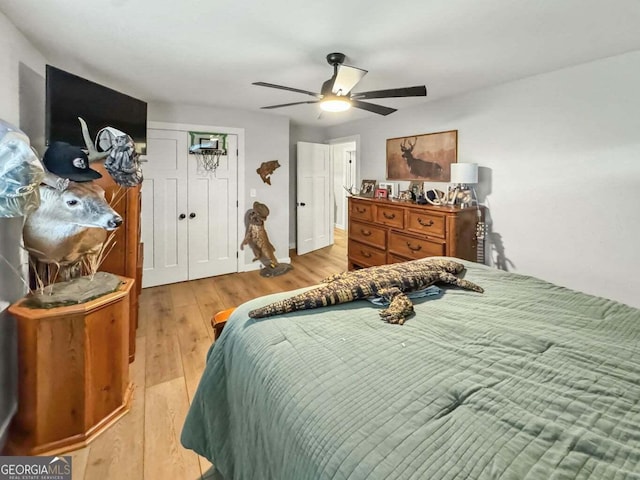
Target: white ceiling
[(208, 52)]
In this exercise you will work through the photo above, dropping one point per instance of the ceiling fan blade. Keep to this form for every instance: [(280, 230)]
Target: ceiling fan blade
[(372, 107), (290, 89), (347, 78), (418, 91), (289, 104)]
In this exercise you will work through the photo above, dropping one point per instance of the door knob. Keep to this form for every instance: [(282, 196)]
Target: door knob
[(182, 216), (192, 215), (302, 204)]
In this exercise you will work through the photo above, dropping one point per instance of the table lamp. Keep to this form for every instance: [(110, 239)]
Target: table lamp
[(463, 175)]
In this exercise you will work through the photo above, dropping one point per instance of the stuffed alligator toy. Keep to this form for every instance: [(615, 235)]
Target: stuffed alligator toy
[(387, 281)]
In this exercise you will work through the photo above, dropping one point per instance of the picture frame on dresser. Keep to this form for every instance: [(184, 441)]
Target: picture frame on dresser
[(367, 189), (391, 187), (382, 193), (405, 196)]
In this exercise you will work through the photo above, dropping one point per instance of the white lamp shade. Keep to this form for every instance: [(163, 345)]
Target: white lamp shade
[(464, 173)]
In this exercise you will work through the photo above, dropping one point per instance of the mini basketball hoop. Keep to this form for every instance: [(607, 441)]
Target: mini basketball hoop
[(208, 159), (207, 148)]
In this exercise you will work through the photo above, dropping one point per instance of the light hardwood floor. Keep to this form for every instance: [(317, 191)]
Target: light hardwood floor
[(173, 337)]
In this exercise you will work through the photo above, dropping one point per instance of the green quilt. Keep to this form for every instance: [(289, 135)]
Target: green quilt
[(526, 381)]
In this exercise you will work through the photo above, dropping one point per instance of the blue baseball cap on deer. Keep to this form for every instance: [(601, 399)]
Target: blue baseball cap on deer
[(67, 161)]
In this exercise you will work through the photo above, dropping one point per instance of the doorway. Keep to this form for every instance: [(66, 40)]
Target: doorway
[(343, 156)]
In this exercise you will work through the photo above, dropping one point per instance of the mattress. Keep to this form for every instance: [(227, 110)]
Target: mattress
[(529, 380)]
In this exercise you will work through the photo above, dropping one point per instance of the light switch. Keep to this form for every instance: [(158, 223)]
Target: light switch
[(252, 192)]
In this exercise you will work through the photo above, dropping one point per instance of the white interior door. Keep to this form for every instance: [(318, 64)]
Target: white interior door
[(213, 216), (164, 201), (314, 197)]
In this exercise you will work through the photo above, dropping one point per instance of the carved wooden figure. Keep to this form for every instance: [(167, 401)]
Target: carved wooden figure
[(256, 235), (266, 169)]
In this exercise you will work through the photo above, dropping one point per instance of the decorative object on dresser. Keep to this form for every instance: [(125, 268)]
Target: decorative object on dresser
[(383, 232), (416, 189), (463, 175), (368, 188), (422, 157), (391, 187), (382, 193), (405, 196)]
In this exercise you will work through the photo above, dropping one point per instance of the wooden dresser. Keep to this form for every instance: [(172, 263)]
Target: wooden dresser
[(125, 258), (384, 231)]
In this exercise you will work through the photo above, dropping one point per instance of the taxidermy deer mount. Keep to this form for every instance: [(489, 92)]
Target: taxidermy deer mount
[(71, 223)]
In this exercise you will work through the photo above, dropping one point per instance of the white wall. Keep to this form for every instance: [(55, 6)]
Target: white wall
[(266, 138), (562, 151), (15, 49)]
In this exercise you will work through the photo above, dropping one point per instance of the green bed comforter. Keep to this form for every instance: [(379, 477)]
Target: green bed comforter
[(526, 381)]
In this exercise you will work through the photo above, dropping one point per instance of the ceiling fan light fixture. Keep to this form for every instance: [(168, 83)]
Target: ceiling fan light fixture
[(335, 103)]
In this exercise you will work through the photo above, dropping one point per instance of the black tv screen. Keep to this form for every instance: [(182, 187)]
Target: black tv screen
[(69, 97)]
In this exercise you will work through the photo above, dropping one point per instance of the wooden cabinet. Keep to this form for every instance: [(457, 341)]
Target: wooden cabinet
[(73, 364), (382, 231), (125, 258)]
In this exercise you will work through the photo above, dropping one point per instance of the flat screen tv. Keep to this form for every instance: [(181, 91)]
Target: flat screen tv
[(69, 97)]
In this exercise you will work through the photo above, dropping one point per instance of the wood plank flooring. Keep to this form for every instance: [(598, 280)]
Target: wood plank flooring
[(174, 334)]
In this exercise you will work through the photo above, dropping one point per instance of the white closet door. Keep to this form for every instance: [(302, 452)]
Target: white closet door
[(164, 202), (213, 216)]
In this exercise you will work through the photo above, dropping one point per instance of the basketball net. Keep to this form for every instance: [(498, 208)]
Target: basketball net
[(208, 160)]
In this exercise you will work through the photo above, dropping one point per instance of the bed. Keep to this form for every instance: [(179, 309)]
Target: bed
[(527, 381)]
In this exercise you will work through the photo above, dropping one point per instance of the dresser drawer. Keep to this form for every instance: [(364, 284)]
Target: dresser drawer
[(391, 216), (369, 234), (365, 255), (361, 211), (425, 223), (414, 248), (391, 258)]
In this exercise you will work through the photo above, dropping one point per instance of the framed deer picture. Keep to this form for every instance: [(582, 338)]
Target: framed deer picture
[(426, 157)]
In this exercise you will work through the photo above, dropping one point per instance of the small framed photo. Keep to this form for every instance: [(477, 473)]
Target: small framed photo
[(416, 188), (368, 188), (392, 188), (382, 193), (404, 196)]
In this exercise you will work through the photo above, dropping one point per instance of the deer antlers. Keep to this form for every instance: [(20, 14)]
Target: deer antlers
[(94, 155), (443, 198), (403, 146)]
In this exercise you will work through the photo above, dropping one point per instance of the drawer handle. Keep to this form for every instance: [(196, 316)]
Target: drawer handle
[(361, 209), (365, 254), (366, 233), (390, 216), (414, 249), (425, 224)]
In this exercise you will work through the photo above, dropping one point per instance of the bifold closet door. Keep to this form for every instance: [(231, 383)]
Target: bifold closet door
[(213, 216), (164, 208)]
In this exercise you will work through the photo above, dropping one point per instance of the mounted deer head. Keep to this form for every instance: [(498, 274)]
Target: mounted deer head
[(69, 224)]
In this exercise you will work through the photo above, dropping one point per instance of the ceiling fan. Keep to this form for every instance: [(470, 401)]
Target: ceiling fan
[(336, 95)]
